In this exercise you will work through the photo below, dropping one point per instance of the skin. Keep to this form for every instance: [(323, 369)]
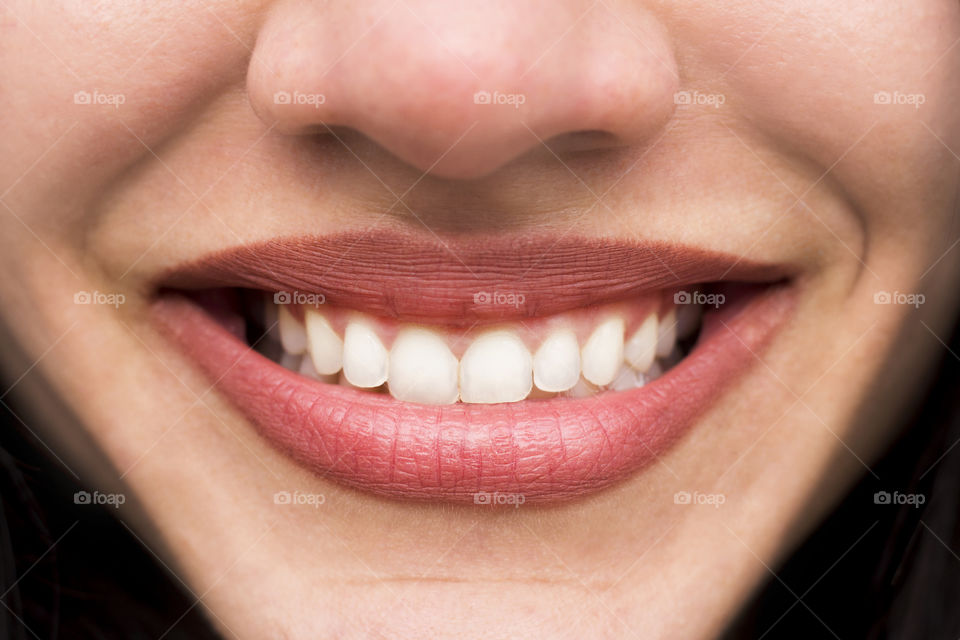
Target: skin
[(798, 166)]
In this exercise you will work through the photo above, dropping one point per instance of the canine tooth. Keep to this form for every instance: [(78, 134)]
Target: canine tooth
[(341, 380), (326, 347), (667, 333), (307, 369), (293, 336), (556, 364), (641, 348), (603, 353), (364, 356), (422, 368), (496, 367)]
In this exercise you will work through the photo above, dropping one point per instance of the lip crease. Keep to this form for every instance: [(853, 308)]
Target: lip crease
[(544, 450)]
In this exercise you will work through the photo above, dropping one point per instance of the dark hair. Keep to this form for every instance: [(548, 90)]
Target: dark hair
[(71, 570), (875, 569), (871, 570)]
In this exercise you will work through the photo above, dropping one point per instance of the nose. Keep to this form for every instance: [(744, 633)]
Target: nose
[(459, 88)]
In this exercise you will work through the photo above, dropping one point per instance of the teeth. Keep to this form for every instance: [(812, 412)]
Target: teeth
[(627, 378), (540, 394), (655, 372), (342, 381), (641, 348), (497, 367), (667, 333), (293, 336), (290, 361), (582, 389), (326, 347), (307, 369), (556, 364), (364, 356), (603, 353), (422, 368)]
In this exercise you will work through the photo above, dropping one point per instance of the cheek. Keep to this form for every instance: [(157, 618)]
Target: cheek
[(108, 88), (862, 89)]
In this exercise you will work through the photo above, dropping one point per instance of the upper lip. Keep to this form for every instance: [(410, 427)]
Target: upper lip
[(408, 277)]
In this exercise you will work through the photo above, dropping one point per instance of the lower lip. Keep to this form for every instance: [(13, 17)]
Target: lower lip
[(530, 451)]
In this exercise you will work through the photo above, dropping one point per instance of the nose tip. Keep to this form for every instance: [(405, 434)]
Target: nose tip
[(457, 89)]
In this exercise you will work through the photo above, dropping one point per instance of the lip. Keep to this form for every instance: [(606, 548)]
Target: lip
[(404, 276), (543, 450)]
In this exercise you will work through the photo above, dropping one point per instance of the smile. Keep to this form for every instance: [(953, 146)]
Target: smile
[(544, 369), (576, 354)]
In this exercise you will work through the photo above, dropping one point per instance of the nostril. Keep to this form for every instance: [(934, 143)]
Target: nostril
[(415, 96)]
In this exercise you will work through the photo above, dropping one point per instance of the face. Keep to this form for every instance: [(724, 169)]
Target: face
[(384, 316)]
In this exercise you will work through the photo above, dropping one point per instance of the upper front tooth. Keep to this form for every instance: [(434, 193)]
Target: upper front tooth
[(556, 364), (667, 333), (422, 368), (603, 352), (326, 347), (364, 356), (293, 336), (496, 367), (641, 348)]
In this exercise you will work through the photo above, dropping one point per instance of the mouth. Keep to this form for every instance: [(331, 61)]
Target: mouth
[(477, 371)]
